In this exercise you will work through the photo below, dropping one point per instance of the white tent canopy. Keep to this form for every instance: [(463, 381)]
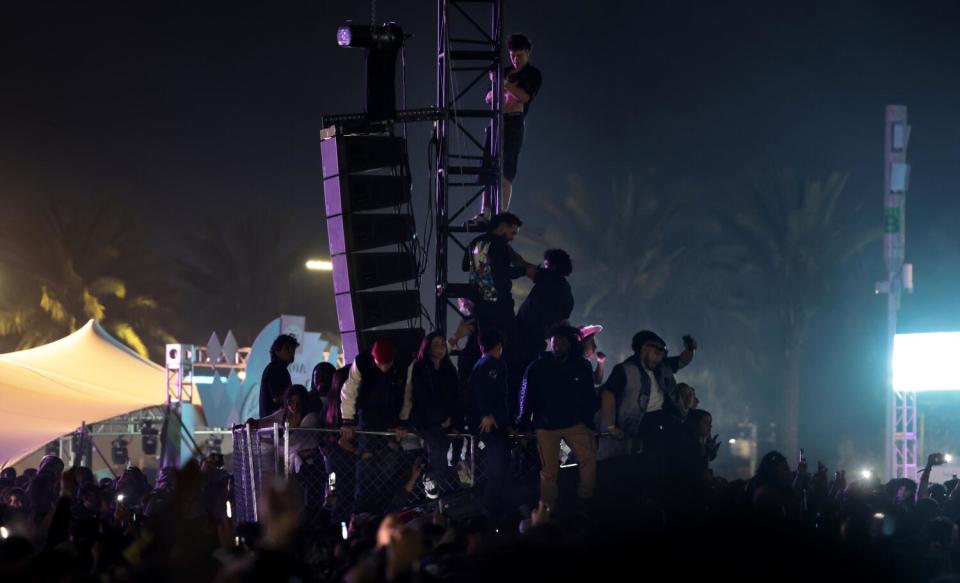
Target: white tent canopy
[(46, 392)]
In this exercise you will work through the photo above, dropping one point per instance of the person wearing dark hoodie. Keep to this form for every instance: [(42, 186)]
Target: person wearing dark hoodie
[(488, 415), (558, 401), (437, 407), (549, 303)]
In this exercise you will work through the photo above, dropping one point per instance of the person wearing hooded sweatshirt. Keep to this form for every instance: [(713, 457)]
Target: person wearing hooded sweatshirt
[(558, 401), (488, 416)]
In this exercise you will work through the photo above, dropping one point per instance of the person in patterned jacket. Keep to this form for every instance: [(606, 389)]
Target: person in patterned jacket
[(493, 265)]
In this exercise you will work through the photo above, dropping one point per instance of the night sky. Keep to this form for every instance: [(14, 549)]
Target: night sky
[(187, 111)]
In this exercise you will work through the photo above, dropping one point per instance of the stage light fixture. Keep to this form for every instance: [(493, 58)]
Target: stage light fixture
[(384, 36), (149, 438), (866, 474), (119, 453), (382, 44)]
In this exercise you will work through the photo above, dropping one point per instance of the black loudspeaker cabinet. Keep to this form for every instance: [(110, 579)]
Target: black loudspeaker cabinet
[(360, 341), (361, 310), (363, 271), (351, 193), (350, 154), (352, 233)]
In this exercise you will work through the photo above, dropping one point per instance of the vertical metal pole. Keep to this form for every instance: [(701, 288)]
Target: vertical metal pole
[(286, 449), (276, 448), (497, 137), (253, 479), (891, 443), (496, 130), (917, 419), (900, 442), (440, 311), (81, 446)]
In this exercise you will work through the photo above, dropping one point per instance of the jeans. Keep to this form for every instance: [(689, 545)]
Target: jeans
[(496, 450)]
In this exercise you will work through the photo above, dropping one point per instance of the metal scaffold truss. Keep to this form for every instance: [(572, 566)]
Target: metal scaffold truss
[(469, 134)]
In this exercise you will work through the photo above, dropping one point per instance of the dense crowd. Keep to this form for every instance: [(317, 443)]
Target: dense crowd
[(635, 498), (782, 524)]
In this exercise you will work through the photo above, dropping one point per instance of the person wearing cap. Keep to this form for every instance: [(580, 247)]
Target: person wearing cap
[(640, 398), (276, 378), (377, 396), (558, 401)]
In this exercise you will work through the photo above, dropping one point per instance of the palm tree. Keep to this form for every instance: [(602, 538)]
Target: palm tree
[(624, 249), (66, 263), (787, 246), (242, 275)]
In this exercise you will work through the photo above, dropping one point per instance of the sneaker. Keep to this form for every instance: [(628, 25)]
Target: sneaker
[(464, 474), (430, 488)]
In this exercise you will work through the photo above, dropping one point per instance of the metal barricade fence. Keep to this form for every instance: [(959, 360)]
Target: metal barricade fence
[(255, 463), (373, 473), (376, 472)]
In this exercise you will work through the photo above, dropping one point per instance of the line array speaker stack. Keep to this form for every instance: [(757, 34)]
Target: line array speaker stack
[(365, 186)]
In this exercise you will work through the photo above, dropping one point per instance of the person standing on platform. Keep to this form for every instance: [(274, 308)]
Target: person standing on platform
[(549, 303), (276, 378), (493, 265), (558, 401), (320, 386), (488, 416), (377, 398), (588, 335), (521, 83), (640, 402), (437, 409)]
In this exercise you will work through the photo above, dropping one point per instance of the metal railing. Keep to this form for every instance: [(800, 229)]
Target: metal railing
[(375, 472)]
